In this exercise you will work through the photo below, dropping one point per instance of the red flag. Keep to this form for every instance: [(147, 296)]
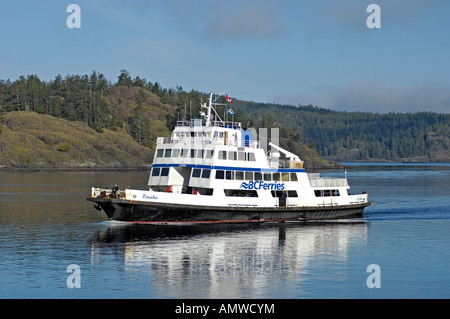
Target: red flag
[(228, 98)]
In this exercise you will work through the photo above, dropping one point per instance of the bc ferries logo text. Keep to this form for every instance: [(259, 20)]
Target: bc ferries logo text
[(262, 185)]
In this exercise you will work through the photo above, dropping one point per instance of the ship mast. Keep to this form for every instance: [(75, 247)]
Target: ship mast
[(210, 107), (208, 115)]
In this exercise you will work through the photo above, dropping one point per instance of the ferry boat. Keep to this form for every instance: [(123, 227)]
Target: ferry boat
[(213, 171)]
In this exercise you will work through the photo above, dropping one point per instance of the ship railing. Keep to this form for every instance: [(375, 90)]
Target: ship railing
[(316, 181), (184, 139), (198, 122), (358, 198), (106, 193), (190, 140), (206, 140), (163, 140)]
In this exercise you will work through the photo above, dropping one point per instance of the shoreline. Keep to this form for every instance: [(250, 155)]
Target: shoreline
[(77, 168), (149, 166)]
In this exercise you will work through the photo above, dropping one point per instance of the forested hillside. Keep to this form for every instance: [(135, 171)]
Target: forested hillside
[(31, 140), (145, 110), (357, 136), (87, 121)]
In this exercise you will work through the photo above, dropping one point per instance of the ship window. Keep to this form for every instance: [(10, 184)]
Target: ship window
[(192, 153), (251, 157), (196, 172), (168, 152), (258, 176), (292, 193), (248, 176), (184, 152), (159, 152), (206, 191), (241, 156), (278, 193), (232, 156), (220, 134), (165, 171), (156, 171), (267, 177), (240, 193), (223, 155), (220, 174), (209, 153), (229, 175), (200, 153), (285, 177), (239, 176), (176, 152), (276, 177), (206, 173), (294, 177), (327, 192)]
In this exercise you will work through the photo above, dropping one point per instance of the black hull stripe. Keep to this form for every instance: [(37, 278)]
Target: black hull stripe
[(158, 213)]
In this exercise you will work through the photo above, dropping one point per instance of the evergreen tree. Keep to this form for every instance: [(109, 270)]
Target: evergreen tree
[(124, 79)]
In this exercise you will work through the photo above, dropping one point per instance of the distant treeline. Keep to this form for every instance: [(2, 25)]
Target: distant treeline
[(362, 136), (336, 135), (85, 98), (73, 97)]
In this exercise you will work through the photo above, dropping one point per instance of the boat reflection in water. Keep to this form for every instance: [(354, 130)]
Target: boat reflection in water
[(228, 261)]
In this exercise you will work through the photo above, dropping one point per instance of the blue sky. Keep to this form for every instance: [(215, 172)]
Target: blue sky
[(294, 52)]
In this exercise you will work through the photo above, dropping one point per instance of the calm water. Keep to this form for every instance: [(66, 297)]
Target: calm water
[(46, 224)]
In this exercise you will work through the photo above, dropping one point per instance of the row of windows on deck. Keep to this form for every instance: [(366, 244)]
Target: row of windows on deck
[(233, 175), (254, 176), (253, 193), (327, 192), (216, 134), (198, 153)]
